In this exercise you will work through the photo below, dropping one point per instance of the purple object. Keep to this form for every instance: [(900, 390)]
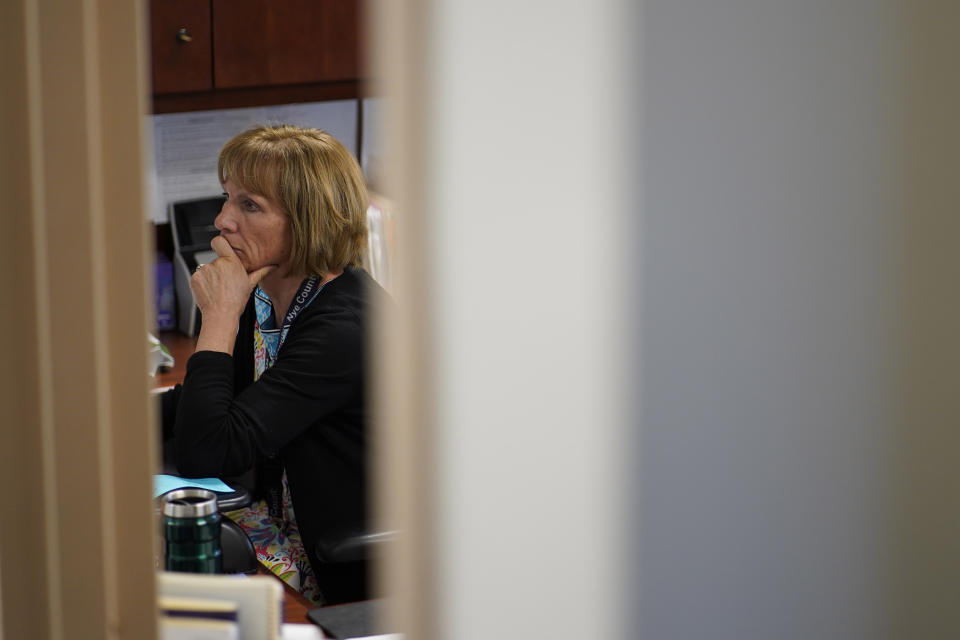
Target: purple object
[(165, 299)]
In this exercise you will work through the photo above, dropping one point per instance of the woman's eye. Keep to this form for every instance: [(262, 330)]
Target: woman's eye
[(250, 205)]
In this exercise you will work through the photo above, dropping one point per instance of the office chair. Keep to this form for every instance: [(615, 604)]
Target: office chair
[(238, 554), (344, 563)]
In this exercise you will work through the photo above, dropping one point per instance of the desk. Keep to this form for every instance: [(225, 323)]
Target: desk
[(181, 347)]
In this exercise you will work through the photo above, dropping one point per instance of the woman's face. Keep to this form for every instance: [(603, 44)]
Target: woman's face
[(257, 229)]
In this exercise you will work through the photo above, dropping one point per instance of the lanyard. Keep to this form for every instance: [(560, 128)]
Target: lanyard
[(273, 477), (305, 294), (265, 353)]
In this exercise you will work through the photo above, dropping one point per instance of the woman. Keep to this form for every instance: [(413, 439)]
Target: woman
[(278, 375)]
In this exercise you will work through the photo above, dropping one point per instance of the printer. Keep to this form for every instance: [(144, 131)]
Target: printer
[(191, 223)]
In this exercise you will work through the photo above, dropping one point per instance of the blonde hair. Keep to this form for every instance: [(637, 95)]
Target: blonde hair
[(315, 181)]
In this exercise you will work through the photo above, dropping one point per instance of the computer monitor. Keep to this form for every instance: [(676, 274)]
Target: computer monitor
[(191, 223)]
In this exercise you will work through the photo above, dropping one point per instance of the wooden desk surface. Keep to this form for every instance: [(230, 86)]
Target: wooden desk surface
[(181, 347)]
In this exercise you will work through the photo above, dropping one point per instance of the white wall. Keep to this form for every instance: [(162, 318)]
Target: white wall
[(773, 206), (372, 158), (526, 277)]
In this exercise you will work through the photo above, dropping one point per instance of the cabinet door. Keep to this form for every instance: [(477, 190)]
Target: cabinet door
[(180, 44), (277, 42)]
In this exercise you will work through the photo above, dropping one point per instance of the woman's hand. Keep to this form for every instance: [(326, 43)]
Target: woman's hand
[(221, 290)]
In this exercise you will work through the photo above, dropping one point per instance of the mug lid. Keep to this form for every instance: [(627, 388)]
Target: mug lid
[(188, 503)]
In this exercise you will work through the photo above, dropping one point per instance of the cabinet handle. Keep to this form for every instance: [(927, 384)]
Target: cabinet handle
[(183, 36)]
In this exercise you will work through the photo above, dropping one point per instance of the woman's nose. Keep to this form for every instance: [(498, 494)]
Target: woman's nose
[(224, 221)]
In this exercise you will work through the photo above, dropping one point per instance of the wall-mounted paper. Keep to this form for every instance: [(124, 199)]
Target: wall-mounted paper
[(186, 145)]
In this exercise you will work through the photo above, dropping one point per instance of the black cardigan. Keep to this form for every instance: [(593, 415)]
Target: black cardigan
[(309, 408)]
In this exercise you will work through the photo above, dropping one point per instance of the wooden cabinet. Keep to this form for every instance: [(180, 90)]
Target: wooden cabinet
[(259, 43), (180, 44), (210, 54)]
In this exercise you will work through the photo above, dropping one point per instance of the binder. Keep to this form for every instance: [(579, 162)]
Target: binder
[(259, 599)]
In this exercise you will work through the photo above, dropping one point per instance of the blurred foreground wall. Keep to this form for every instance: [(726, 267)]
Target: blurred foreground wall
[(801, 457)]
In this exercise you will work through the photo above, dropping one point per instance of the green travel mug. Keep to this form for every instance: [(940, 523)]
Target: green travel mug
[(191, 530)]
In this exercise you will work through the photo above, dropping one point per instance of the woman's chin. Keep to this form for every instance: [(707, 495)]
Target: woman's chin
[(253, 267)]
